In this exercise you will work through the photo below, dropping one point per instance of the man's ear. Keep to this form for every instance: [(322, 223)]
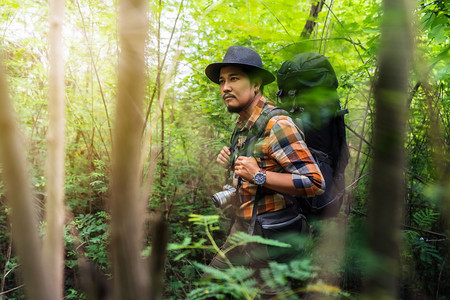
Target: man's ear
[(257, 84)]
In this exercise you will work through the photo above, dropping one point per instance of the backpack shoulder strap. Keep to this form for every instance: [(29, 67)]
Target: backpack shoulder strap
[(258, 129), (254, 134)]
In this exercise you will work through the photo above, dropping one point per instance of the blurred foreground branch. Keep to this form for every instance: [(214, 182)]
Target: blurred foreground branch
[(131, 279), (23, 215), (387, 183)]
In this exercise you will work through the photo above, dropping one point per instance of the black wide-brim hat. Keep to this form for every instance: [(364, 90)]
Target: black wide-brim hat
[(242, 57)]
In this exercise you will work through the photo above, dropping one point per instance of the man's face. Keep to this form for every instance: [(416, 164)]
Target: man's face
[(236, 89)]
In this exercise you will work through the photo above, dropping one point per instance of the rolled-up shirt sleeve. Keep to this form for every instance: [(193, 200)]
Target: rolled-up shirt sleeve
[(288, 148)]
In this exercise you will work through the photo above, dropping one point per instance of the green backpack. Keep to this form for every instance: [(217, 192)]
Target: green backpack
[(307, 90)]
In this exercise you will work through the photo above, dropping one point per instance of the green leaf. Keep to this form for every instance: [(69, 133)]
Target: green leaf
[(240, 238)]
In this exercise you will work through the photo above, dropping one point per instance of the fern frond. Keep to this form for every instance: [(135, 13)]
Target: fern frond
[(220, 284), (242, 238), (425, 218)]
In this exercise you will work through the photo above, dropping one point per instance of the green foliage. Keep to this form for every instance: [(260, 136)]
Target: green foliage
[(210, 224), (355, 261), (236, 282), (279, 274), (239, 282), (425, 218), (74, 294), (88, 235), (423, 252)]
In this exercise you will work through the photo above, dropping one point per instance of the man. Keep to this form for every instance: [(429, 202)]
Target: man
[(279, 166)]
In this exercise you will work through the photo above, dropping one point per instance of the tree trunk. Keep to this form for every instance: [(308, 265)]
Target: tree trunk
[(129, 271), (316, 7), (387, 182), (53, 249)]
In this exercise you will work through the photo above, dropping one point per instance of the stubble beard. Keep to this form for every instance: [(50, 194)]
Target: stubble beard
[(234, 109), (240, 108)]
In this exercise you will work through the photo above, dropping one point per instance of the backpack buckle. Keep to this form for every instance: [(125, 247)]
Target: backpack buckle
[(292, 93), (279, 93)]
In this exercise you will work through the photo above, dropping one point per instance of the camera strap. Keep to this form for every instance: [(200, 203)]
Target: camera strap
[(251, 227), (255, 133)]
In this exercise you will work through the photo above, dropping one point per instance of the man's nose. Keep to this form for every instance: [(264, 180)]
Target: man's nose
[(226, 87)]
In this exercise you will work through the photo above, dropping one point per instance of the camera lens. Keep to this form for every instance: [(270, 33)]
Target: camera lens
[(221, 198)]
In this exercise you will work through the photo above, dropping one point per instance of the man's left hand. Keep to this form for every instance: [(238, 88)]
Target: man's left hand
[(245, 167)]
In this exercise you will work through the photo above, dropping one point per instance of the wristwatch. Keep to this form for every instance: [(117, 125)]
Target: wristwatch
[(260, 177)]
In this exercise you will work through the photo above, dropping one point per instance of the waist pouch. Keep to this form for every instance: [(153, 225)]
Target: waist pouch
[(287, 220)]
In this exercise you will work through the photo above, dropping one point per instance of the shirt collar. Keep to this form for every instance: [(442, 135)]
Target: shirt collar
[(254, 116)]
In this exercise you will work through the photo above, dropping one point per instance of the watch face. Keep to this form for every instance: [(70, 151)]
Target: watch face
[(259, 178)]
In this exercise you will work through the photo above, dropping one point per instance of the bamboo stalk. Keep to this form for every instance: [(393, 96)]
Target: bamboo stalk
[(53, 247), (130, 273), (23, 215)]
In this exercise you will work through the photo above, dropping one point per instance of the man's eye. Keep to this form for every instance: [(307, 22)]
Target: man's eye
[(234, 78)]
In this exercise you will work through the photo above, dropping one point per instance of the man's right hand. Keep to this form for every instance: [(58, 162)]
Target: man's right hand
[(223, 158)]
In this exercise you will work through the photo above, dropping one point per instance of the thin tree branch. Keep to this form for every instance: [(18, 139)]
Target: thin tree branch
[(407, 227), (359, 136), (440, 276), (326, 27), (170, 72), (328, 39), (8, 257), (13, 289), (160, 67), (276, 18), (95, 70), (355, 170), (354, 44)]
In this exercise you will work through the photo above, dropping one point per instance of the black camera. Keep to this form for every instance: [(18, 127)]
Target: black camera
[(222, 198)]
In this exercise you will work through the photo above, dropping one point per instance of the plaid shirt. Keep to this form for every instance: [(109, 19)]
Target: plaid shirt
[(281, 150)]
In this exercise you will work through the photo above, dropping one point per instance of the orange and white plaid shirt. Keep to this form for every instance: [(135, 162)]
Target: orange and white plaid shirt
[(283, 150)]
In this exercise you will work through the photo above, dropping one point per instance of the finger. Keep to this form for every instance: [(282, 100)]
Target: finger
[(243, 160), (225, 158), (220, 157), (221, 160), (237, 171), (224, 162), (224, 154), (226, 150), (240, 159)]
